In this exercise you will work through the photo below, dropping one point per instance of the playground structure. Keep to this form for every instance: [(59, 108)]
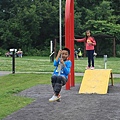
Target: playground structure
[(69, 38), (96, 81)]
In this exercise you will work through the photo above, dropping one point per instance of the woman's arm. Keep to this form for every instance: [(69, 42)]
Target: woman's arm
[(93, 41), (80, 40)]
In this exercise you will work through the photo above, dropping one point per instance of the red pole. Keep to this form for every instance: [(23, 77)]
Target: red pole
[(72, 43), (67, 35), (69, 38)]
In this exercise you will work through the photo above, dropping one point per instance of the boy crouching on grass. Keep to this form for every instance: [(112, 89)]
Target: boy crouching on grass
[(60, 74)]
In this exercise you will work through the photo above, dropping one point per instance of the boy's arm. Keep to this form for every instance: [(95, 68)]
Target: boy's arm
[(56, 61), (58, 55), (67, 67)]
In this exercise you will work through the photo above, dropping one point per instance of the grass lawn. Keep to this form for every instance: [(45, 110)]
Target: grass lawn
[(43, 64), (14, 83), (11, 84)]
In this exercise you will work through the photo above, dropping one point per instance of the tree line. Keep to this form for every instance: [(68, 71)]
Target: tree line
[(32, 24)]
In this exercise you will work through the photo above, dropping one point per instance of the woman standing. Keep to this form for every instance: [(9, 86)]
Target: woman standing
[(90, 43)]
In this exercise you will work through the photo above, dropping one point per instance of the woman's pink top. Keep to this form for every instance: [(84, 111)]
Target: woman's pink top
[(87, 43)]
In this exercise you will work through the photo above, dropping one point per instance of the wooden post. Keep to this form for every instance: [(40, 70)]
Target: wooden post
[(55, 45), (114, 50)]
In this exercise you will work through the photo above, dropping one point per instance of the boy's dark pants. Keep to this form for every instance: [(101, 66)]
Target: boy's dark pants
[(57, 83)]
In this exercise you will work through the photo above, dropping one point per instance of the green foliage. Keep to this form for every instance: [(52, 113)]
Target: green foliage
[(29, 25), (103, 26), (2, 52)]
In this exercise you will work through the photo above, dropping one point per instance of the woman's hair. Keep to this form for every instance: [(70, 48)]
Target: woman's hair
[(86, 34)]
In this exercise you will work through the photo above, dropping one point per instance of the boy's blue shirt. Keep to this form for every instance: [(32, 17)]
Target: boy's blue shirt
[(64, 70)]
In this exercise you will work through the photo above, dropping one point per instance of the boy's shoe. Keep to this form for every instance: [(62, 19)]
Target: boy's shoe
[(58, 100), (54, 98), (92, 68), (59, 96), (87, 68)]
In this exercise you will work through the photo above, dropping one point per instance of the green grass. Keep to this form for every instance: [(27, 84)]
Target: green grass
[(112, 63), (12, 84), (43, 64)]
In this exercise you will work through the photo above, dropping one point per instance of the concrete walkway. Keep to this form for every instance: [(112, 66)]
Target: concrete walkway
[(3, 73)]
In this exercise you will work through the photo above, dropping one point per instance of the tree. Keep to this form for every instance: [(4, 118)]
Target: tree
[(32, 24)]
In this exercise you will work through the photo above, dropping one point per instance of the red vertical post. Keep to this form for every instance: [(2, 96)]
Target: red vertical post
[(69, 37), (72, 42)]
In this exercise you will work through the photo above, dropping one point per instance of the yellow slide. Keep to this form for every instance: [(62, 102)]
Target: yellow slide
[(96, 81)]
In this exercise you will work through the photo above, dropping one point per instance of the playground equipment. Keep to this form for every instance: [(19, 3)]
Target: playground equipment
[(69, 38), (96, 81)]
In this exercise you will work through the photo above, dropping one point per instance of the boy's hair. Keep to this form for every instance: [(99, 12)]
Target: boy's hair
[(67, 50)]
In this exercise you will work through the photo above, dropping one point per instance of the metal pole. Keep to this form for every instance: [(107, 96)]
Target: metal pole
[(105, 61), (13, 61), (60, 25), (51, 47), (105, 65)]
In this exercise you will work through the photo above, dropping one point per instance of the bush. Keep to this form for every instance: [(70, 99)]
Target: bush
[(36, 52), (2, 52), (31, 52), (117, 53)]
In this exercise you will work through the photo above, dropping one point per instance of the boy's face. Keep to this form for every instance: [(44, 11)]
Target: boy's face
[(64, 54)]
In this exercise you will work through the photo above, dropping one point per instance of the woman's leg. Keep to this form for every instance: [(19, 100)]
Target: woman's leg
[(88, 53), (92, 57)]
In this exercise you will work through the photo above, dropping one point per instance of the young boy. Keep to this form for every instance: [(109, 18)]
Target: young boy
[(60, 74)]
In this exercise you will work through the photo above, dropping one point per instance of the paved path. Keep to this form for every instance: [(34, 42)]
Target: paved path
[(2, 73)]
